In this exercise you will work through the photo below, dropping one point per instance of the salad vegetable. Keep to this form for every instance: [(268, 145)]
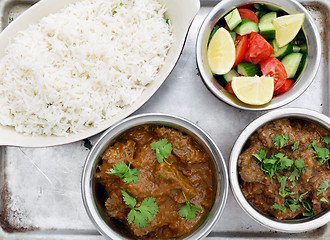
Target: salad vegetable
[(264, 47)]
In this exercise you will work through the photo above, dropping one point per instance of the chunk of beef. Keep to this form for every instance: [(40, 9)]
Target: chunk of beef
[(115, 205), (182, 145), (119, 152), (170, 175)]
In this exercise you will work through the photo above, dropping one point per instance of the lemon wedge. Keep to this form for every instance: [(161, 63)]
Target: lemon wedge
[(287, 27), (253, 90), (221, 52)]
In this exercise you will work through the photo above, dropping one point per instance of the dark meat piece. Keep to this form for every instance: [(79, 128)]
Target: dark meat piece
[(249, 168), (119, 152), (182, 145), (115, 205), (170, 175)]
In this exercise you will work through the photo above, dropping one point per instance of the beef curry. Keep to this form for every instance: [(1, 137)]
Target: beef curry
[(183, 182), (284, 169)]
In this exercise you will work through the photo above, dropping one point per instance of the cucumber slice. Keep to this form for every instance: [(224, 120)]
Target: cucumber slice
[(268, 17), (302, 65), (260, 13), (233, 19), (248, 69), (291, 63), (215, 28), (272, 7), (280, 52), (303, 48), (233, 35), (267, 30), (223, 80), (247, 27), (295, 48), (257, 6)]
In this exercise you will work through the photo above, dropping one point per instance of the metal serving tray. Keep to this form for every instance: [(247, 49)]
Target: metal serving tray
[(40, 187)]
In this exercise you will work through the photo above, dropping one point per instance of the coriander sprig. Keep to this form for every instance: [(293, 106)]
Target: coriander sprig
[(280, 140), (188, 211), (323, 187), (322, 154), (163, 150), (142, 214), (123, 171)]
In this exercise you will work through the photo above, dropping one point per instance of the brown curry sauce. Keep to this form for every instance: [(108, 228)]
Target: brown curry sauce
[(191, 172)]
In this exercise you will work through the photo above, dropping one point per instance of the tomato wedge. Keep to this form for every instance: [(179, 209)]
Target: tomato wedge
[(229, 89), (248, 14), (241, 45), (258, 48), (287, 84), (272, 67)]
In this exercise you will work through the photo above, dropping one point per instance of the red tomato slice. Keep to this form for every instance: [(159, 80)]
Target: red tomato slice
[(241, 45), (258, 48), (229, 89), (248, 14), (287, 84), (245, 5), (272, 67)]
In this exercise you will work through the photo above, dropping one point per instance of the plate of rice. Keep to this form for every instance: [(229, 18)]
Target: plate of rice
[(70, 69)]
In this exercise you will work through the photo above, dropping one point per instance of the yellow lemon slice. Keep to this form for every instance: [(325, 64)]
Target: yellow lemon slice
[(287, 27), (253, 90), (221, 52)]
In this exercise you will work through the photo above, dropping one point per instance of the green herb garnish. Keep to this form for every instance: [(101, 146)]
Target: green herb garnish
[(188, 211), (280, 140), (299, 167), (142, 214), (123, 171), (308, 208), (295, 146), (276, 162), (326, 140), (279, 207), (322, 154), (163, 150), (323, 187), (292, 204), (324, 200), (302, 196)]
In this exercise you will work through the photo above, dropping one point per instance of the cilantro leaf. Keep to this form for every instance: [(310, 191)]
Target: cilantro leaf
[(293, 184), (300, 164), (283, 162), (123, 171), (322, 154), (280, 140), (308, 208), (302, 196), (163, 149), (324, 200), (188, 211), (326, 140), (294, 175), (279, 207), (282, 190), (260, 155), (295, 146), (292, 204), (140, 215), (323, 187), (128, 199)]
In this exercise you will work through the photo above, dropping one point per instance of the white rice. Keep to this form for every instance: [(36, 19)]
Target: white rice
[(81, 66)]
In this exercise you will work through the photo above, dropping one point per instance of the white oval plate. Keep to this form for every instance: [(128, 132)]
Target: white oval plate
[(181, 13)]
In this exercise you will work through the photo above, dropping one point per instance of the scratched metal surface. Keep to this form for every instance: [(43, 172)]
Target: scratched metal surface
[(40, 187)]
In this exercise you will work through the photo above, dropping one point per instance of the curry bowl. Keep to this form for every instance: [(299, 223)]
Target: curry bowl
[(217, 84), (177, 14), (171, 181), (292, 198)]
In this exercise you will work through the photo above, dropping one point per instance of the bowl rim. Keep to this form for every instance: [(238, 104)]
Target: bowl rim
[(277, 225), (312, 66), (162, 119)]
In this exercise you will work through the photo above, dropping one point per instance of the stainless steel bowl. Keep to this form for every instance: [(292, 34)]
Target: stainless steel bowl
[(93, 206), (292, 226), (306, 78)]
